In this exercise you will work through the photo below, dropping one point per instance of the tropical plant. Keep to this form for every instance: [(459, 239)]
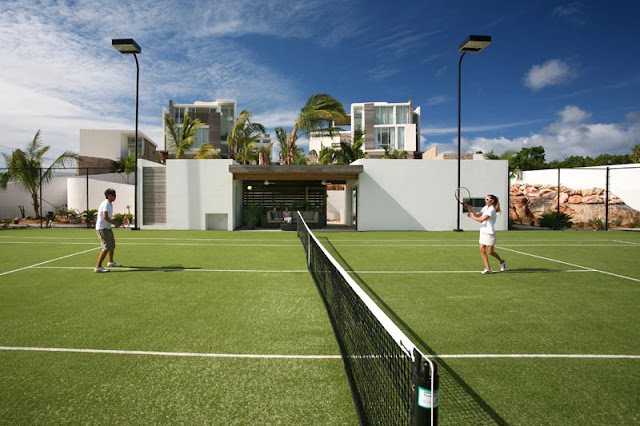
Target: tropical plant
[(181, 137), (244, 133), (283, 142), (206, 151), (264, 154), (252, 214), (555, 220), (315, 116), (596, 224), (298, 157), (26, 168), (350, 152), (247, 154), (394, 153), (327, 155), (635, 154), (126, 166)]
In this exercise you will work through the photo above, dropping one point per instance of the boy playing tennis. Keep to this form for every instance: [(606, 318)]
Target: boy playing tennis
[(103, 229)]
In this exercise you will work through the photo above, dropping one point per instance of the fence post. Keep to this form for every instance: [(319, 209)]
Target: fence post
[(558, 202), (606, 201), (40, 183), (87, 210)]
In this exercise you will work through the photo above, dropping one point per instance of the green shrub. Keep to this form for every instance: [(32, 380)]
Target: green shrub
[(555, 220), (596, 224)]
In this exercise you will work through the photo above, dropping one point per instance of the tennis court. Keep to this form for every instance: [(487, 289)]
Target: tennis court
[(228, 327)]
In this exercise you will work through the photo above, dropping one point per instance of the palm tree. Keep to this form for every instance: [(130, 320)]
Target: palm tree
[(393, 153), (264, 154), (350, 152), (247, 153), (25, 168), (181, 138), (320, 110), (126, 165), (327, 155), (206, 152), (283, 142), (635, 154), (244, 131)]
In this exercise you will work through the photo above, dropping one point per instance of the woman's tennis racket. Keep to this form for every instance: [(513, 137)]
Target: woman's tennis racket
[(463, 196)]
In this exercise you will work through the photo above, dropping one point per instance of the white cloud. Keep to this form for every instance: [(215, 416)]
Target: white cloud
[(568, 136), (551, 73), (573, 114)]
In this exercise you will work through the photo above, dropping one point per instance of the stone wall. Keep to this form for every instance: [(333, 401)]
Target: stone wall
[(529, 201)]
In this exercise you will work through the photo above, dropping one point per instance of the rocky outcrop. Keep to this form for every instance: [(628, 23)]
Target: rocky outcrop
[(585, 206)]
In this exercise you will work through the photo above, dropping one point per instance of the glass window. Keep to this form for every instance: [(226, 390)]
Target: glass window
[(385, 136), (401, 138), (131, 142), (178, 115), (202, 137), (357, 119), (383, 115), (402, 114)]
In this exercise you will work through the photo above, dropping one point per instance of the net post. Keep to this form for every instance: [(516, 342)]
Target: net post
[(425, 389)]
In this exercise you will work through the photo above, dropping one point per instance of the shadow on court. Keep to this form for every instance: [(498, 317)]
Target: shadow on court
[(463, 405), (169, 268)]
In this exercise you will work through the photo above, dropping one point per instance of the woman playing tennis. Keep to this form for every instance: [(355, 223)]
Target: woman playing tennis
[(487, 218)]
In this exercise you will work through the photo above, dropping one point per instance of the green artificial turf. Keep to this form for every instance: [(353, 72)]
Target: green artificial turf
[(565, 293)]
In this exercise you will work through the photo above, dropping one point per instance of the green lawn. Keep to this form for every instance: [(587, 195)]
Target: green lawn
[(245, 300)]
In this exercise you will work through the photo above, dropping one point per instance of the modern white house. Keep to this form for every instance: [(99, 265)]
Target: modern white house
[(395, 126), (379, 194), (99, 148), (217, 117)]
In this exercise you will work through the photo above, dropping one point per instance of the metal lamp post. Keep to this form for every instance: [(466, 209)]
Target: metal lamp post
[(128, 46), (473, 43)]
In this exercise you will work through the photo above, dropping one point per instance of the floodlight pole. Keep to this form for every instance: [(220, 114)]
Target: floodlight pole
[(473, 43), (458, 207), (130, 47)]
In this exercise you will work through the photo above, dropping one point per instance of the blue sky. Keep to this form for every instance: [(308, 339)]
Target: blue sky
[(561, 74)]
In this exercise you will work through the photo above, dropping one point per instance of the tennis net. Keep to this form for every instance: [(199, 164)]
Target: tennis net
[(392, 382)]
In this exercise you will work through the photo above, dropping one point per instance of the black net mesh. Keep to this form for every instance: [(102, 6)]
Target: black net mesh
[(379, 370)]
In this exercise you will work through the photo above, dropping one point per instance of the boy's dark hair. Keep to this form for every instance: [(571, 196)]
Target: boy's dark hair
[(109, 191)]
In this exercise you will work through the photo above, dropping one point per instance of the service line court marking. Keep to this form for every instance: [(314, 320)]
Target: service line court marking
[(569, 264), (282, 356), (48, 261), (169, 269)]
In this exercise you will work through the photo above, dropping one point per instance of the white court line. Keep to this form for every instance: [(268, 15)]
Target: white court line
[(570, 264), (568, 356), (160, 269), (119, 243), (173, 354), (280, 356), (48, 261), (626, 242), (463, 272)]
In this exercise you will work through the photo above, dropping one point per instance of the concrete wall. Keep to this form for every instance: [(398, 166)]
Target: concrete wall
[(336, 206), (77, 192), (99, 143), (198, 189), (624, 180), (54, 194), (419, 195)]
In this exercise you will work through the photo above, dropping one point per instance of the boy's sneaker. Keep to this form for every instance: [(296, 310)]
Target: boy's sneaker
[(114, 264), (487, 271), (503, 266), (100, 269)]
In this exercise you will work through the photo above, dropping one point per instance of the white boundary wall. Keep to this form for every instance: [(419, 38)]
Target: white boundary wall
[(54, 194), (77, 192), (201, 194), (624, 180), (419, 195)]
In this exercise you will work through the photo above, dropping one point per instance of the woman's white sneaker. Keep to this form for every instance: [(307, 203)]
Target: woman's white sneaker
[(487, 271), (503, 266), (100, 269)]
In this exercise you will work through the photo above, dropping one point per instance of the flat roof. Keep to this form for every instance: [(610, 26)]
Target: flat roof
[(302, 172)]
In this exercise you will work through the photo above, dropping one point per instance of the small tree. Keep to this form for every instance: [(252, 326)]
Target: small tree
[(181, 138), (25, 168)]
